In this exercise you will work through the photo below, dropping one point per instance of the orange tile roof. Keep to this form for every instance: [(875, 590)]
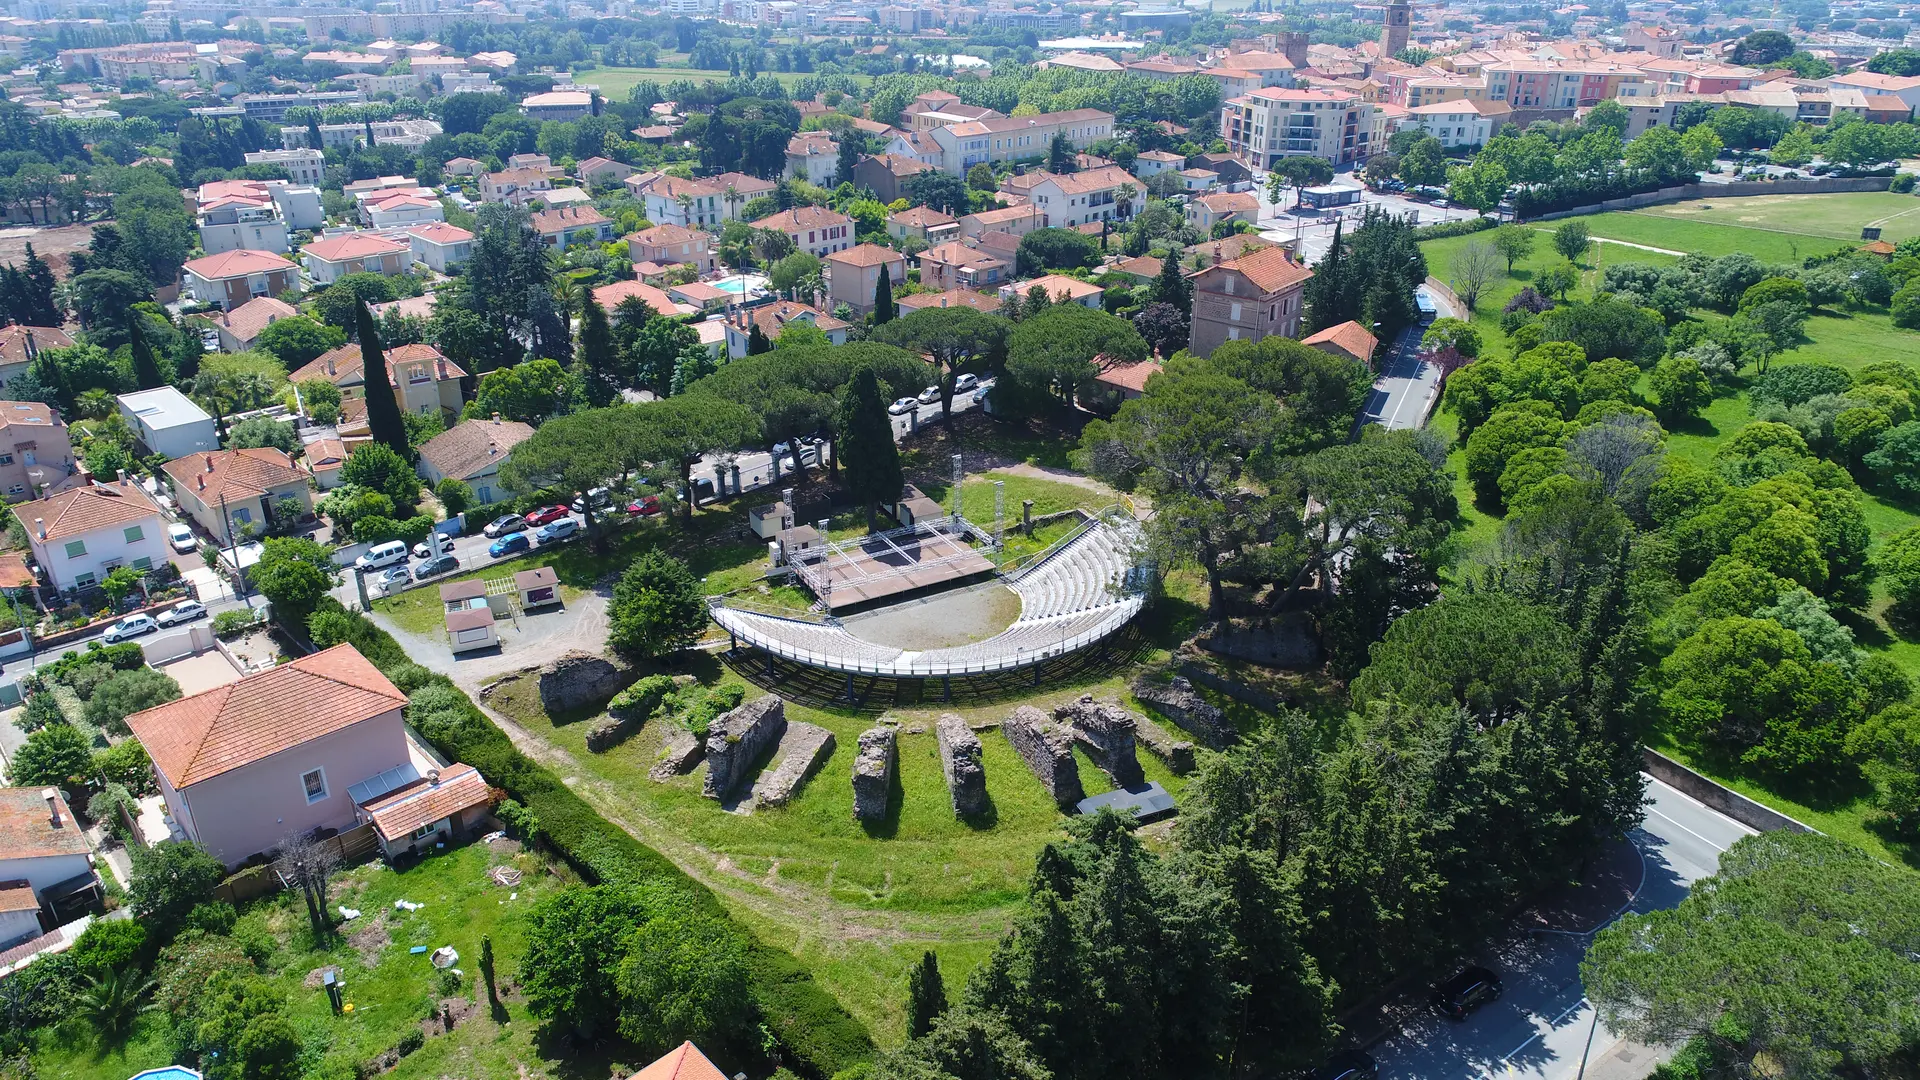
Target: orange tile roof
[(867, 255), (239, 262), (1270, 269), (13, 571), (955, 253), (951, 298), (246, 321), (801, 218), (656, 299), (84, 509), (772, 318), (17, 896), (345, 366), (1060, 287), (27, 831), (466, 448), (668, 234), (233, 474), (398, 813), (1132, 376), (684, 1062), (13, 341), (922, 217), (233, 726), (566, 219), (1352, 338)]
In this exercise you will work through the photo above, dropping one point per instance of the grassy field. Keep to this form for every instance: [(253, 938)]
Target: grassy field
[(615, 82), (1760, 226), (392, 990)]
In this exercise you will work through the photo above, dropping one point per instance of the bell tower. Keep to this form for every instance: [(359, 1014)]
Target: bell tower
[(1399, 24)]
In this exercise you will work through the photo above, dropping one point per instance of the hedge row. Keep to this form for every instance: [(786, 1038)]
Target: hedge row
[(820, 1037), (1461, 227)]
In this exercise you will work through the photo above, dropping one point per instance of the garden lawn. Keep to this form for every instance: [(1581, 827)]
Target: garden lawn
[(392, 993), (1824, 217)]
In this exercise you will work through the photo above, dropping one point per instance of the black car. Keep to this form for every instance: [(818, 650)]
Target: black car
[(1466, 991), (441, 564), (1347, 1065)]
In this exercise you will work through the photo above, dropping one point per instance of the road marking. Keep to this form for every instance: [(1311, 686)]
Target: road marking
[(1506, 1058), (1684, 829)]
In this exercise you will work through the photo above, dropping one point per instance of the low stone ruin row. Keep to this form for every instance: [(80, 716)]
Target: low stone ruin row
[(1107, 731), (737, 739), (802, 748), (1047, 748), (1180, 702), (960, 762), (873, 772), (684, 751)]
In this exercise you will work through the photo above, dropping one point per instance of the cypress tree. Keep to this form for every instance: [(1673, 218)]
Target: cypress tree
[(41, 306), (383, 411), (598, 360), (1172, 287), (883, 307), (866, 445), (313, 130), (926, 995), (757, 342), (1324, 291), (146, 372)]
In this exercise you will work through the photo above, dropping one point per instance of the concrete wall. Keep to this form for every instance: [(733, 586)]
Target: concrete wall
[(1734, 190), (1727, 801)]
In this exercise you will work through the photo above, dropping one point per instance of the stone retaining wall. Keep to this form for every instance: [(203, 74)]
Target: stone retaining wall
[(1107, 731), (1177, 753), (1724, 799), (1180, 702), (960, 762), (802, 749), (1826, 185), (683, 751), (578, 680), (1047, 748), (873, 773), (737, 739)]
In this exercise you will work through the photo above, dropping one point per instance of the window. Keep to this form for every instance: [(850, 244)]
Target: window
[(143, 563), (425, 831), (241, 515), (1234, 312), (84, 581), (315, 784), (135, 534), (76, 548), (6, 459)]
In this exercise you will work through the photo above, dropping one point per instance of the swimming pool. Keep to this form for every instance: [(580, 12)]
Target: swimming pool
[(732, 285), (171, 1072)]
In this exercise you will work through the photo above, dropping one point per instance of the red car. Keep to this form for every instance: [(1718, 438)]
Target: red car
[(644, 506), (547, 514)]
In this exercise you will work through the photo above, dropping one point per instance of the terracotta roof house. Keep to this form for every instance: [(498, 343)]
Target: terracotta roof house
[(1254, 296), (232, 278), (334, 257), (324, 458), (815, 230), (611, 296), (280, 753), (46, 863), (36, 452), (557, 228), (464, 166), (1003, 245), (773, 318), (685, 1062), (1348, 339), (1206, 211), (471, 451), (1063, 290), (243, 487), (1143, 268), (887, 174), (701, 296), (853, 275), (1017, 220), (979, 301), (924, 222), (79, 535), (599, 170), (440, 245), (20, 344), (240, 328), (423, 380), (441, 806), (957, 266), (1127, 381), (671, 245), (515, 187)]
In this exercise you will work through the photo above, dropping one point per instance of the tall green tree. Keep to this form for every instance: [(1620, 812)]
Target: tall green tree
[(883, 307), (146, 372), (657, 608), (598, 360), (383, 408), (1172, 286), (873, 475), (926, 996), (956, 339)]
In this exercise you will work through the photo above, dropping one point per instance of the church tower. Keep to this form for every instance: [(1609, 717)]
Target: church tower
[(1399, 23)]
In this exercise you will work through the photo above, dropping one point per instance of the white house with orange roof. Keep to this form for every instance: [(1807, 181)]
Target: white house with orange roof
[(1060, 289), (772, 319), (330, 259), (240, 328), (20, 345), (853, 275), (672, 245), (815, 230), (657, 300), (399, 209), (232, 278), (46, 863), (561, 228), (440, 245), (80, 535)]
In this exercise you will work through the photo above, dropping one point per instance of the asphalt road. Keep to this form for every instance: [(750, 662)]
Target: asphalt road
[(1540, 1027), (1406, 384)]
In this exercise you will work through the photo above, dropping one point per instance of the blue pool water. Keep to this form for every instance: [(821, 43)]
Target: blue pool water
[(732, 285), (171, 1072)]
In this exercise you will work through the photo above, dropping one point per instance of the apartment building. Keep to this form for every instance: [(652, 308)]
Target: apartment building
[(1017, 138), (1462, 122), (1267, 125), (714, 200), (233, 222), (1107, 193), (1254, 296), (671, 245), (302, 166), (814, 229)]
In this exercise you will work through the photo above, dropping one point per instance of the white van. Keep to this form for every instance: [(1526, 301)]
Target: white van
[(379, 555)]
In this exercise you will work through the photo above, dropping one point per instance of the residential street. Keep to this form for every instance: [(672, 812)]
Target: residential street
[(1314, 228), (1540, 1027)]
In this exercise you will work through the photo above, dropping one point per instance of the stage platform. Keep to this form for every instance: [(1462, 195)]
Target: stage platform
[(851, 573)]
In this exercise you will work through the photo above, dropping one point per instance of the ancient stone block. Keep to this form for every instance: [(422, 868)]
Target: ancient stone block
[(802, 749), (960, 761), (683, 751), (1107, 731), (578, 680), (1177, 753), (1180, 702), (873, 773), (627, 711), (737, 739), (1047, 748)]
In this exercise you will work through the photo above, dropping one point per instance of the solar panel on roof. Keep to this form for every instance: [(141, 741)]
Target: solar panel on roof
[(373, 787)]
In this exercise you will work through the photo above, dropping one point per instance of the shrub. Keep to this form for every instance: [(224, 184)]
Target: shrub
[(109, 945), (520, 822), (1902, 183), (1461, 227), (1791, 384), (55, 755), (126, 693), (233, 624), (126, 763)]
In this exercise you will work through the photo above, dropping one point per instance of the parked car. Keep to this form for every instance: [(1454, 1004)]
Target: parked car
[(440, 564), (599, 498), (1469, 989), (131, 627), (501, 526), (903, 406), (703, 490), (546, 514), (965, 383), (644, 506), (180, 537), (1348, 1065), (437, 544), (564, 529), (379, 555), (394, 578), (930, 395), (183, 612), (509, 544)]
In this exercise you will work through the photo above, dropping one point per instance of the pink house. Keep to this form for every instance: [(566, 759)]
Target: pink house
[(244, 766)]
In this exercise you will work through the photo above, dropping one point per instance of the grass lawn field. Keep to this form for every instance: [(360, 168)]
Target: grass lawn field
[(1759, 226), (392, 989), (615, 82)]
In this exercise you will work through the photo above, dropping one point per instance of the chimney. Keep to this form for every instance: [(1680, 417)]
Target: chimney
[(123, 476), (40, 526), (32, 346), (433, 777), (209, 462), (496, 418), (203, 481), (52, 795), (330, 370)]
